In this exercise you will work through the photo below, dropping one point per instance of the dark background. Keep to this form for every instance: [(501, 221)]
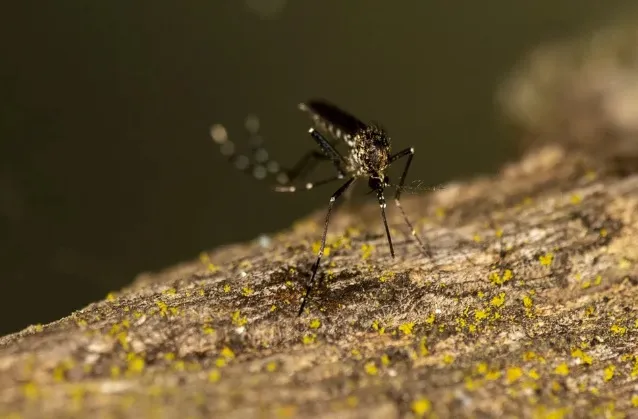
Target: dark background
[(106, 166)]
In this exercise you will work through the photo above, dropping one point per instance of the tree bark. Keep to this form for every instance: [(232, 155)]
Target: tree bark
[(526, 308)]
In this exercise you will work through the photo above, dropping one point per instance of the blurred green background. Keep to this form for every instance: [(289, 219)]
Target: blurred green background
[(106, 166)]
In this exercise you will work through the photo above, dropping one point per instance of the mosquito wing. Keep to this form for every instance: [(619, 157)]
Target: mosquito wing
[(329, 118)]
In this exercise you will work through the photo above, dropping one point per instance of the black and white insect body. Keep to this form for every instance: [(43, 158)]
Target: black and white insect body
[(368, 156)]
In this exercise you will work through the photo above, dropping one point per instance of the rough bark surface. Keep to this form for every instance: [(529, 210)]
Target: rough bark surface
[(527, 308)]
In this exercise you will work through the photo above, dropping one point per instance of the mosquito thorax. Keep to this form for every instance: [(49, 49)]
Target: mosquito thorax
[(371, 151)]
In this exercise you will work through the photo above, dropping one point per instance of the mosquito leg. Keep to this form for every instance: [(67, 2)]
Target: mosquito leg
[(258, 162), (328, 150), (307, 186), (397, 198), (329, 153), (315, 267), (305, 165), (385, 221)]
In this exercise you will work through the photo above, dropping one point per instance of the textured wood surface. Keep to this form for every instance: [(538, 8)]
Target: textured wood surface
[(526, 309)]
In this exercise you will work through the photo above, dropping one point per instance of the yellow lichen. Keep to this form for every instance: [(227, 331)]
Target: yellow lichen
[(30, 391), (247, 291), (555, 386), (618, 330), (135, 363), (493, 375), (527, 302), (584, 358), (498, 300), (60, 370), (481, 367), (271, 366), (423, 348), (386, 276), (377, 326), (546, 259), (366, 250), (214, 376), (385, 360), (608, 372), (285, 412), (471, 384), (207, 329), (315, 324), (448, 359), (226, 288), (371, 368), (227, 353), (309, 338), (163, 308), (421, 407), (575, 199), (77, 394), (481, 314), (122, 338), (543, 412), (561, 369), (110, 297), (238, 320), (513, 374), (406, 328), (352, 401), (497, 279)]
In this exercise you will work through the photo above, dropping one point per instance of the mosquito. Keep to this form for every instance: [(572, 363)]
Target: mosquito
[(368, 156)]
